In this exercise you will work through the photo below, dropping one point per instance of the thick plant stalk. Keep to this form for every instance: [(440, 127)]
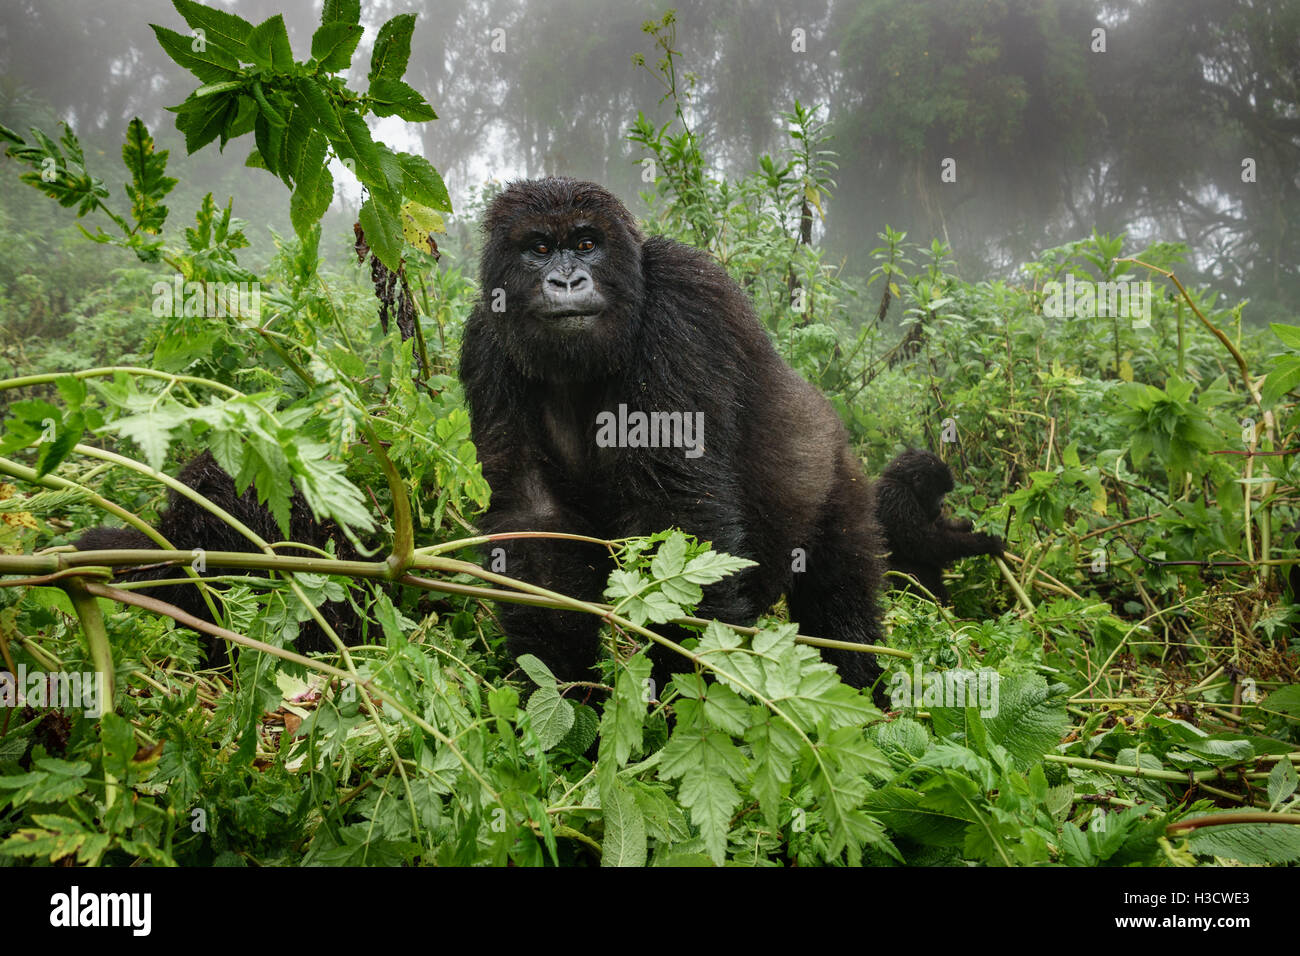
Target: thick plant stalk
[(92, 625)]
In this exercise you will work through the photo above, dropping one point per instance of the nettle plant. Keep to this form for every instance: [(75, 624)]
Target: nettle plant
[(300, 114)]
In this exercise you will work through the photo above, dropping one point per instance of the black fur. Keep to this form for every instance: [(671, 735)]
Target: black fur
[(673, 334), (188, 526), (922, 542)]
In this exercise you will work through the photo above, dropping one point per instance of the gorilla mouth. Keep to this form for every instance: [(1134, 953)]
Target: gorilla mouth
[(569, 321)]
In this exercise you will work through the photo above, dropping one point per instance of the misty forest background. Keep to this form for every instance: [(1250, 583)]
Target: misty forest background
[(1052, 140), (1143, 474)]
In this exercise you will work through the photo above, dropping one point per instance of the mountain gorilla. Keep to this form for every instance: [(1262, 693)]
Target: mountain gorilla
[(583, 322), (922, 542)]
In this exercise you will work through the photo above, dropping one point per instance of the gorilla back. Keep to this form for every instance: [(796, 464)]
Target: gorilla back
[(582, 326)]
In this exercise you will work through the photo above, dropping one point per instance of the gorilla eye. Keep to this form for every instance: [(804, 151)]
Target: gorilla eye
[(586, 245), (542, 248)]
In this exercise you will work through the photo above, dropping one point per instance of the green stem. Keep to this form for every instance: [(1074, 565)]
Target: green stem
[(1225, 819), (49, 378), (403, 524), (1172, 776), (92, 625)]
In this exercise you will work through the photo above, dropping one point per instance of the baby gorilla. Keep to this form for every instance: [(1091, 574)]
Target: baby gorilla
[(922, 542), (187, 526)]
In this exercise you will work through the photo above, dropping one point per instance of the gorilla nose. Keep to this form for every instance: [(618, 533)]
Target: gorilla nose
[(570, 292), (575, 282)]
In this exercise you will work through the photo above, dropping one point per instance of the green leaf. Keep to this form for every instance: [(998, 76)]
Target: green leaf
[(26, 424), (625, 837), (333, 44), (118, 738), (709, 765), (1222, 749), (324, 485), (670, 558), (228, 31), (356, 143), (152, 432), (148, 184), (58, 838), (273, 115), (822, 697), (774, 745), (713, 566), (203, 119), (211, 64), (319, 107), (1282, 378), (1289, 334), (268, 45), (341, 11), (538, 672), (54, 453), (503, 702), (623, 723), (394, 98), (421, 182), (1030, 718), (72, 390), (383, 232), (724, 709), (270, 142), (840, 795), (664, 819), (1285, 700), (908, 813), (1282, 782), (586, 726), (245, 115), (298, 136), (552, 716), (1253, 843), (392, 47), (50, 781), (315, 190)]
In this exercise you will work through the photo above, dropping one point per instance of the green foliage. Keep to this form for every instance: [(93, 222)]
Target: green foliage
[(1139, 674), (300, 112)]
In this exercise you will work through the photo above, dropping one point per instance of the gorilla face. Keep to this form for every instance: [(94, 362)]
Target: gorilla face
[(566, 298), (926, 475), (561, 274)]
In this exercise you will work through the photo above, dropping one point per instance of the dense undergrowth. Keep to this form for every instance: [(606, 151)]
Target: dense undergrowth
[(1123, 691)]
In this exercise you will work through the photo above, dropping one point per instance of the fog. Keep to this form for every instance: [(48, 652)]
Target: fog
[(1171, 120)]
